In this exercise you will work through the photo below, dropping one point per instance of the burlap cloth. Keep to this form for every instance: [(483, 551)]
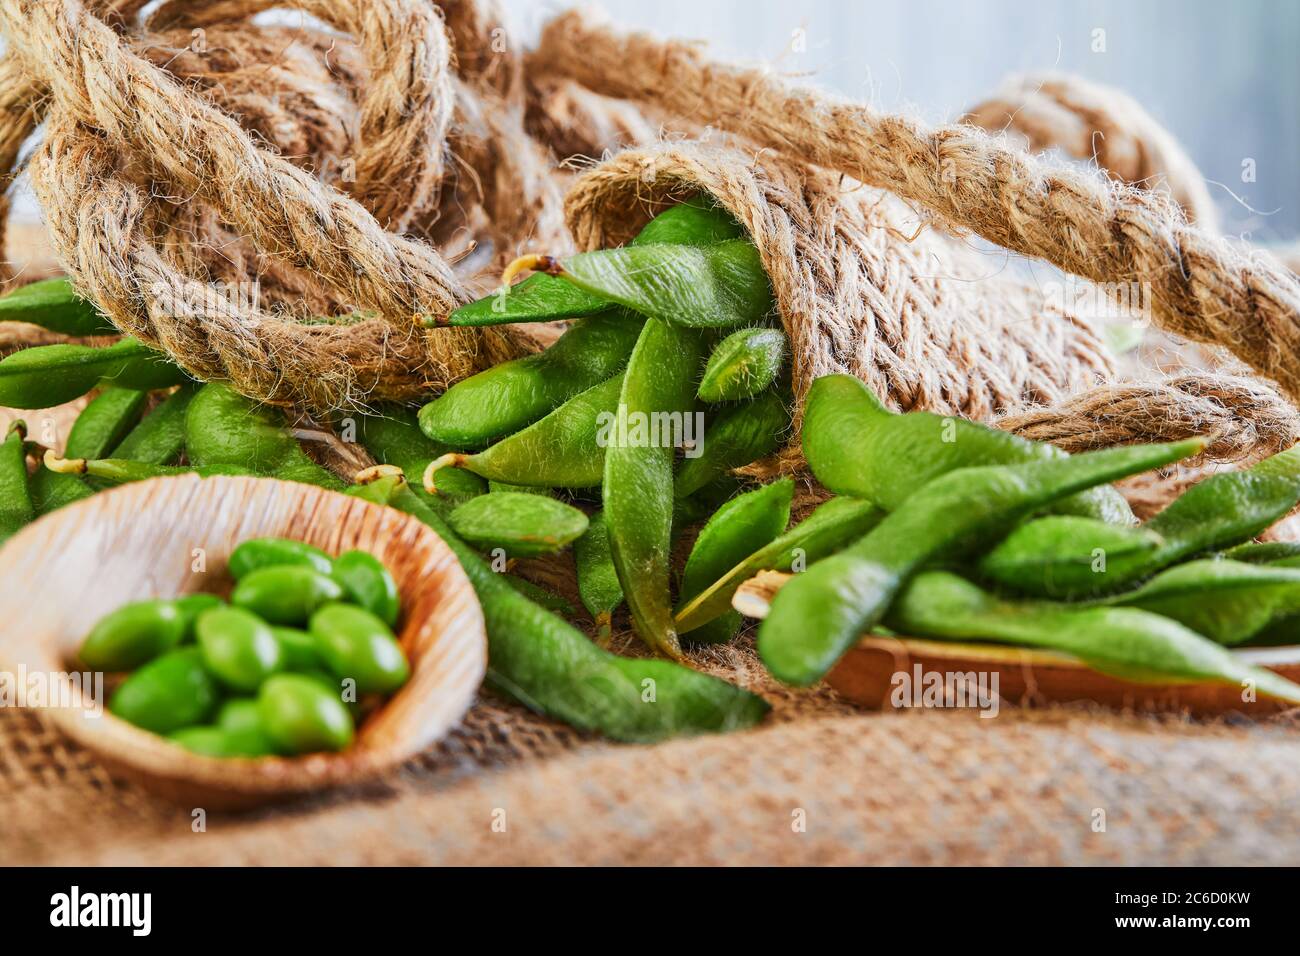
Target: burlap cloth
[(820, 783)]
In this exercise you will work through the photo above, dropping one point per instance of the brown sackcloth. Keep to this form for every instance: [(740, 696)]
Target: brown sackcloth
[(925, 787)]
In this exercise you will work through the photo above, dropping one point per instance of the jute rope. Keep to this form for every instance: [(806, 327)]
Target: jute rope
[(156, 197), (1201, 287)]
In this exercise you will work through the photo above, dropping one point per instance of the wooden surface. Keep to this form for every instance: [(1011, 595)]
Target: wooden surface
[(172, 536)]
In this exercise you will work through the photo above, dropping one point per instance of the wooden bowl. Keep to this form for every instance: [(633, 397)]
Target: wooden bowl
[(867, 673), (171, 536)]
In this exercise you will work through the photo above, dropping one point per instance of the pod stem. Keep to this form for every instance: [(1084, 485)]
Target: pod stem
[(453, 459), (531, 263), (604, 630), (64, 466), (375, 472)]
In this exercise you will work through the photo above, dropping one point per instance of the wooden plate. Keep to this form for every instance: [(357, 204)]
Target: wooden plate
[(173, 536), (896, 672)]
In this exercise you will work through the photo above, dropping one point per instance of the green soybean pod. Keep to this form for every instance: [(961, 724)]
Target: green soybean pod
[(820, 613), (1227, 601), (542, 298), (393, 437), (223, 428), (119, 471), (715, 286), (356, 645), (598, 584), (831, 527), (566, 449), (168, 693), (1063, 550), (522, 525), (743, 364), (736, 436), (510, 396), (1264, 552), (52, 490), (638, 484), (301, 716), (133, 634), (539, 595), (286, 594), (238, 647), (104, 422), (856, 446), (367, 583), (551, 667), (1219, 511), (159, 439), (49, 375), (740, 527), (52, 304), (258, 553), (16, 507), (1127, 642)]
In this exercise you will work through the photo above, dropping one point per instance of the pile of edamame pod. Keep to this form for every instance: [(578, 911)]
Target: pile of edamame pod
[(305, 642), (937, 527)]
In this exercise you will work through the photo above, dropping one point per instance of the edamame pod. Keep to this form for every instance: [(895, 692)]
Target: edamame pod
[(393, 437), (513, 395), (742, 526), (715, 286), (563, 450), (159, 439), (549, 666), (49, 375), (1264, 552), (224, 428), (638, 484), (1227, 601), (521, 525), (856, 446), (16, 507), (238, 647), (286, 594), (1219, 511), (358, 646), (743, 364), (301, 715), (539, 595), (118, 471), (168, 693), (832, 526), (736, 436), (368, 584), (597, 577), (256, 553), (1125, 642), (133, 634), (104, 422), (52, 490), (820, 613), (1063, 549), (542, 298), (52, 304), (207, 741)]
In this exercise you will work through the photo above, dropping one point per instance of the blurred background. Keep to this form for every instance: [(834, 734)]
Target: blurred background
[(1223, 78)]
